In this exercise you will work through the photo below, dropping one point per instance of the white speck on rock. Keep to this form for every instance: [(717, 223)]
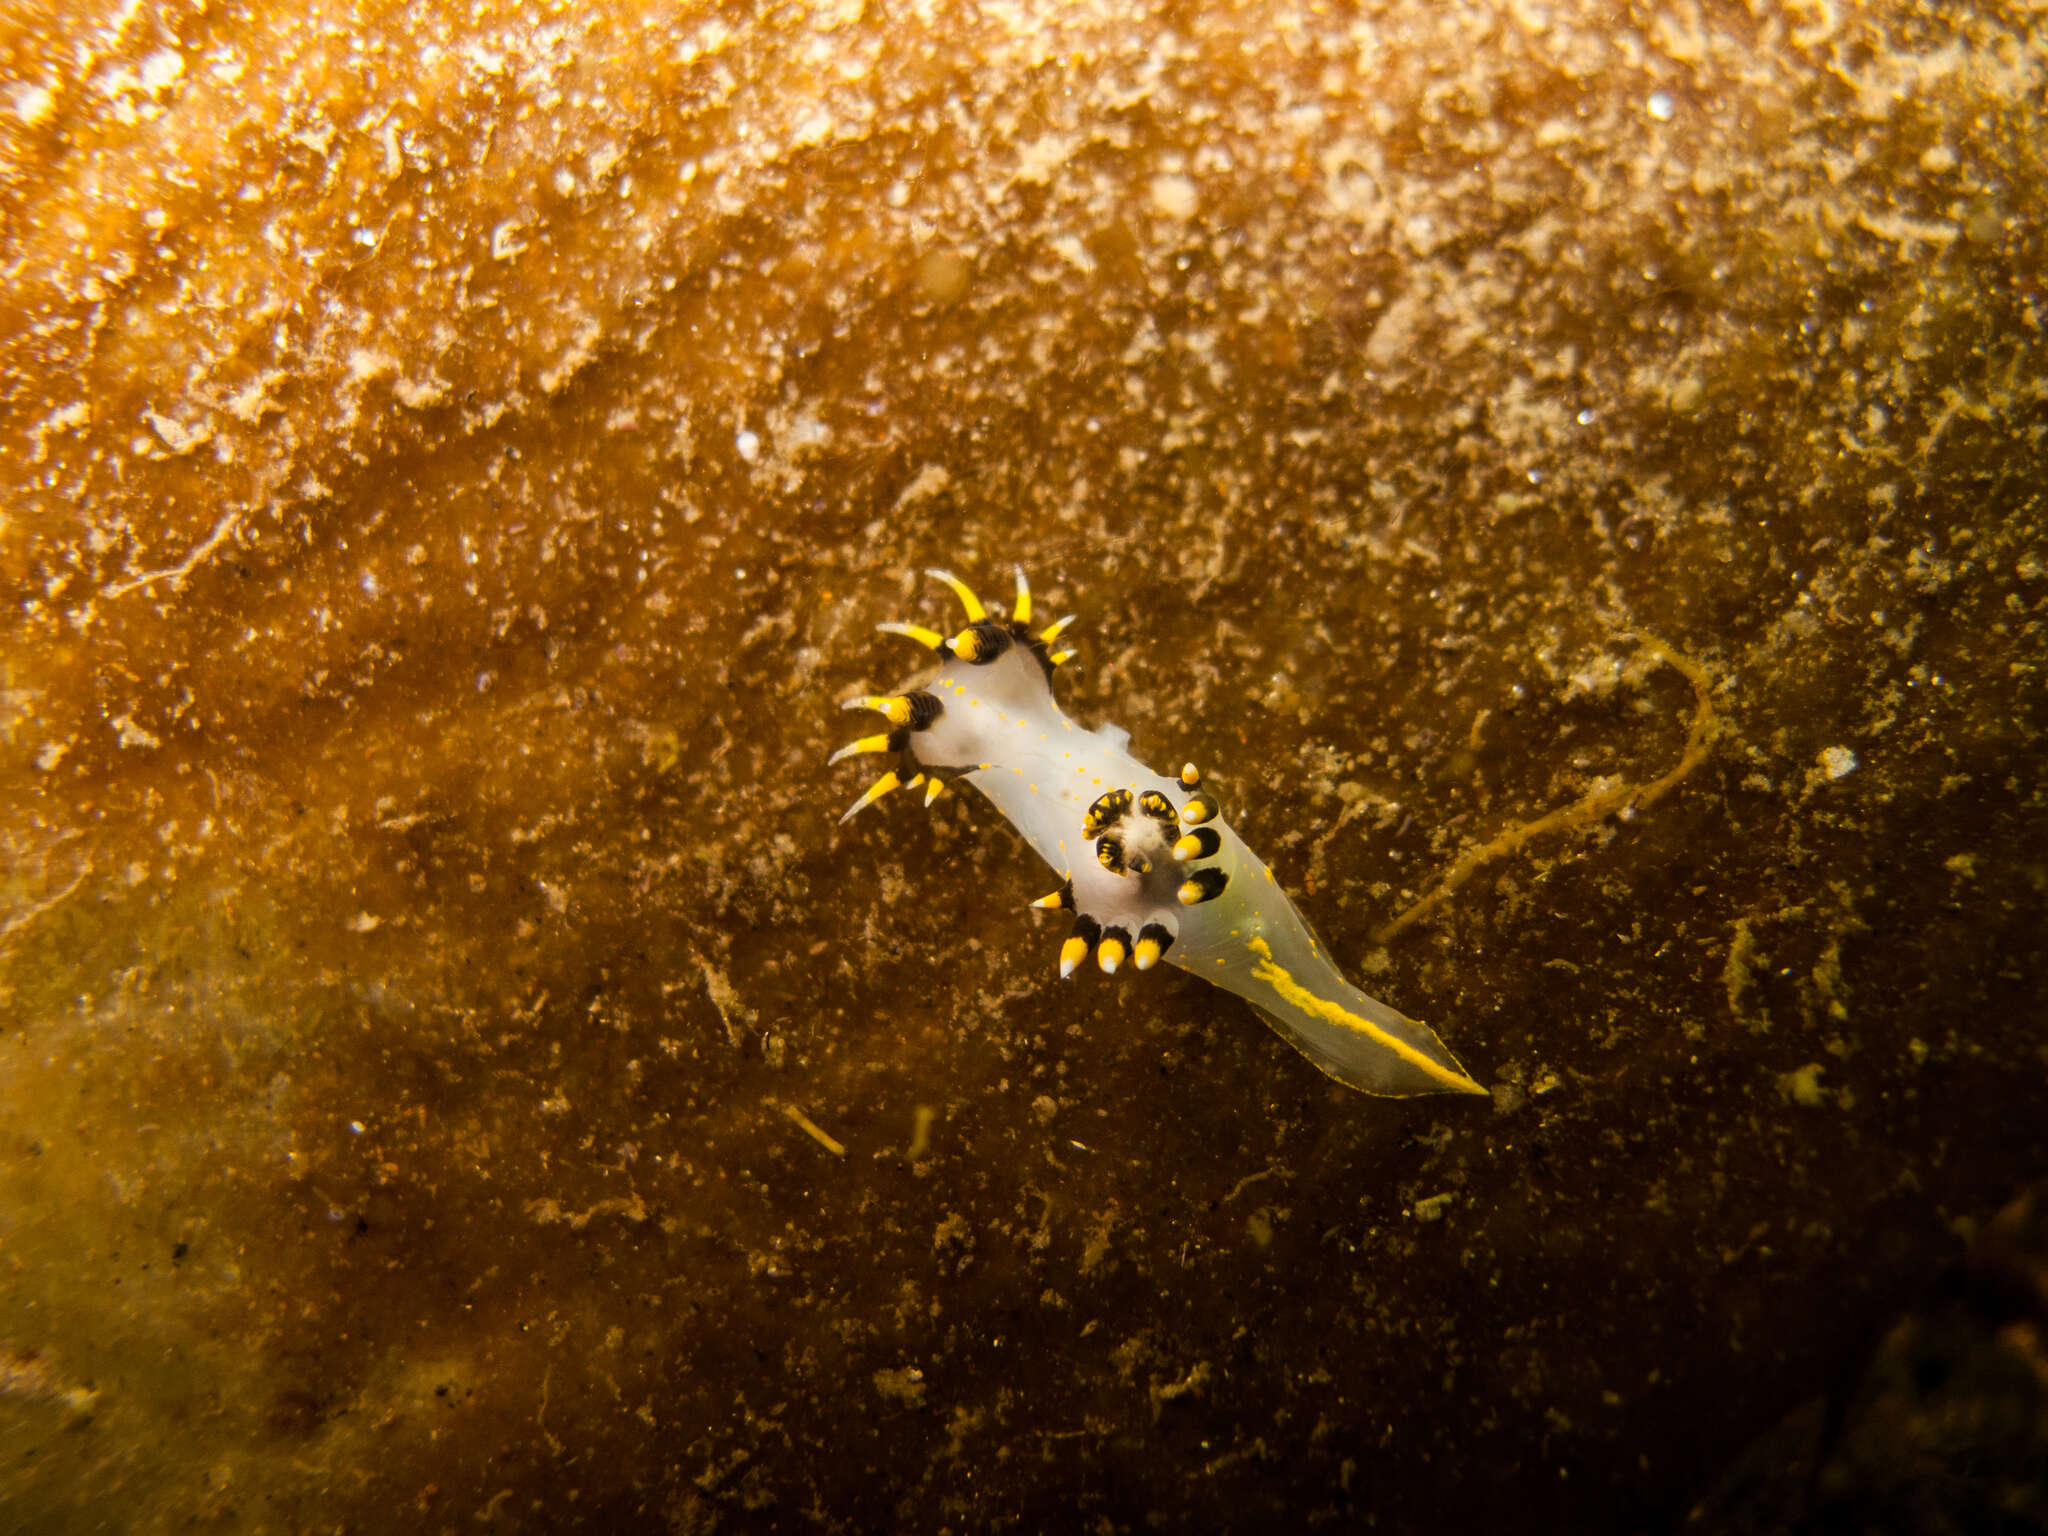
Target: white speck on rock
[(1173, 196), (31, 103), (1070, 250), (418, 394), (161, 68), (1596, 679), (367, 363), (178, 437), (1838, 762), (747, 444), (133, 735)]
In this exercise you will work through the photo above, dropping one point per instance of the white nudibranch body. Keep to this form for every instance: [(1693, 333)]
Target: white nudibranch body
[(1151, 870)]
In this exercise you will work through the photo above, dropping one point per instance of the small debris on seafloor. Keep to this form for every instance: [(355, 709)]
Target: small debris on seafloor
[(815, 1131)]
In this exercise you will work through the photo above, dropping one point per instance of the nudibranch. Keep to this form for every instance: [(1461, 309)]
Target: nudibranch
[(1149, 866)]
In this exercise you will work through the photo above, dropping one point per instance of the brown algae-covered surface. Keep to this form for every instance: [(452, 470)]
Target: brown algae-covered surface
[(455, 1073)]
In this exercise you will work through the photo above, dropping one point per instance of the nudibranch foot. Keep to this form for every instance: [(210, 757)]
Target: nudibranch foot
[(1137, 853)]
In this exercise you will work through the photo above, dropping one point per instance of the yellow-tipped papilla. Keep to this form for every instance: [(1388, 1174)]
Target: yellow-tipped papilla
[(933, 789), (1060, 658), (975, 612), (892, 707), (1154, 940), (1202, 885), (1200, 808), (1051, 632), (1109, 954), (876, 790), (1059, 901), (1201, 843), (880, 743), (1079, 942), (1190, 776), (930, 639), (1021, 609)]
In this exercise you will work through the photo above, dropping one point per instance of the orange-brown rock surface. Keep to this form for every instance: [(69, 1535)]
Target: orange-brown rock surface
[(1582, 461)]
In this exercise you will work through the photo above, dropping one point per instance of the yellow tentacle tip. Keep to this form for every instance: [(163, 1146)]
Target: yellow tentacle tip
[(975, 611), (932, 790), (876, 790), (1109, 954), (1051, 632), (1072, 953), (1146, 954), (930, 639), (1060, 658), (1021, 609), (856, 748)]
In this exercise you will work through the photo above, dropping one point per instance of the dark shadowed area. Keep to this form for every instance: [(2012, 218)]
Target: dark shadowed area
[(1573, 475)]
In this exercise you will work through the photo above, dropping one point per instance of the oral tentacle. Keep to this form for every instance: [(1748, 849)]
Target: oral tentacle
[(976, 612), (930, 639)]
